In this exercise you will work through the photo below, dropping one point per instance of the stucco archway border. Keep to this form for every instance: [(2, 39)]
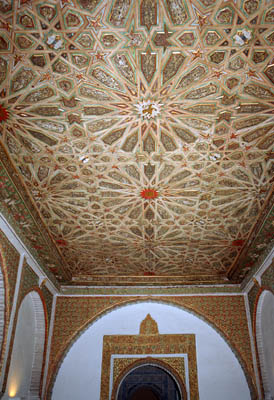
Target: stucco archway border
[(52, 373), (4, 315), (38, 311), (257, 333), (148, 361)]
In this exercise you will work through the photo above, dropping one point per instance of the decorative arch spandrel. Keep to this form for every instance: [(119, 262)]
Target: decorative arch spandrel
[(226, 314)]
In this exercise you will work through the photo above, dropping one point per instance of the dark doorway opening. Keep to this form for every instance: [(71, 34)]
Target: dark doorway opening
[(149, 382), (144, 393)]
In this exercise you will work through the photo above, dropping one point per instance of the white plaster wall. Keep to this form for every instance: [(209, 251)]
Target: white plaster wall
[(219, 373), (265, 340), (23, 351)]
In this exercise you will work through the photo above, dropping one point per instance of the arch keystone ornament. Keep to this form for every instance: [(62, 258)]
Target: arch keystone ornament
[(149, 326)]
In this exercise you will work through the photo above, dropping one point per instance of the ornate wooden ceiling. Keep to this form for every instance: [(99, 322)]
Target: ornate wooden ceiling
[(143, 132)]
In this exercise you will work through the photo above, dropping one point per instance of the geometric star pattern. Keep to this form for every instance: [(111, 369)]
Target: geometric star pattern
[(72, 75)]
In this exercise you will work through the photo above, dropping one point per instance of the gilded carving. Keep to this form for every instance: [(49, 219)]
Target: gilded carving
[(148, 65), (150, 342), (113, 136), (119, 12), (5, 6), (269, 72), (22, 79), (269, 16), (258, 91), (259, 56), (270, 38), (93, 93), (39, 95), (38, 60), (212, 38), (251, 6), (236, 64), (187, 38), (50, 125), (148, 13), (177, 11), (168, 143), (4, 44), (202, 92), (47, 12), (252, 107), (3, 69), (246, 123), (105, 78), (251, 136), (60, 67), (50, 111), (89, 5), (43, 138), (130, 142), (86, 40), (173, 64), (231, 83), (96, 110), (225, 16), (184, 134), (197, 123), (26, 21), (79, 60), (193, 76), (217, 57), (73, 20), (124, 67), (167, 94), (102, 124), (24, 42), (202, 109), (109, 40)]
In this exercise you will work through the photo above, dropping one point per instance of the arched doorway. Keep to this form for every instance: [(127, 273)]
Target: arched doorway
[(230, 380), (265, 341), (28, 349), (149, 382)]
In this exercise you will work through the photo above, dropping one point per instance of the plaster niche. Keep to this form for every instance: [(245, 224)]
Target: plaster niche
[(265, 341), (25, 370)]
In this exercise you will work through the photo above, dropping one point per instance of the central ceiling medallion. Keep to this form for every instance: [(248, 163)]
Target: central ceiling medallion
[(148, 109), (149, 194)]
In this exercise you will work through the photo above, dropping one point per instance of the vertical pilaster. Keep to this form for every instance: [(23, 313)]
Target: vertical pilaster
[(252, 343), (51, 326)]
